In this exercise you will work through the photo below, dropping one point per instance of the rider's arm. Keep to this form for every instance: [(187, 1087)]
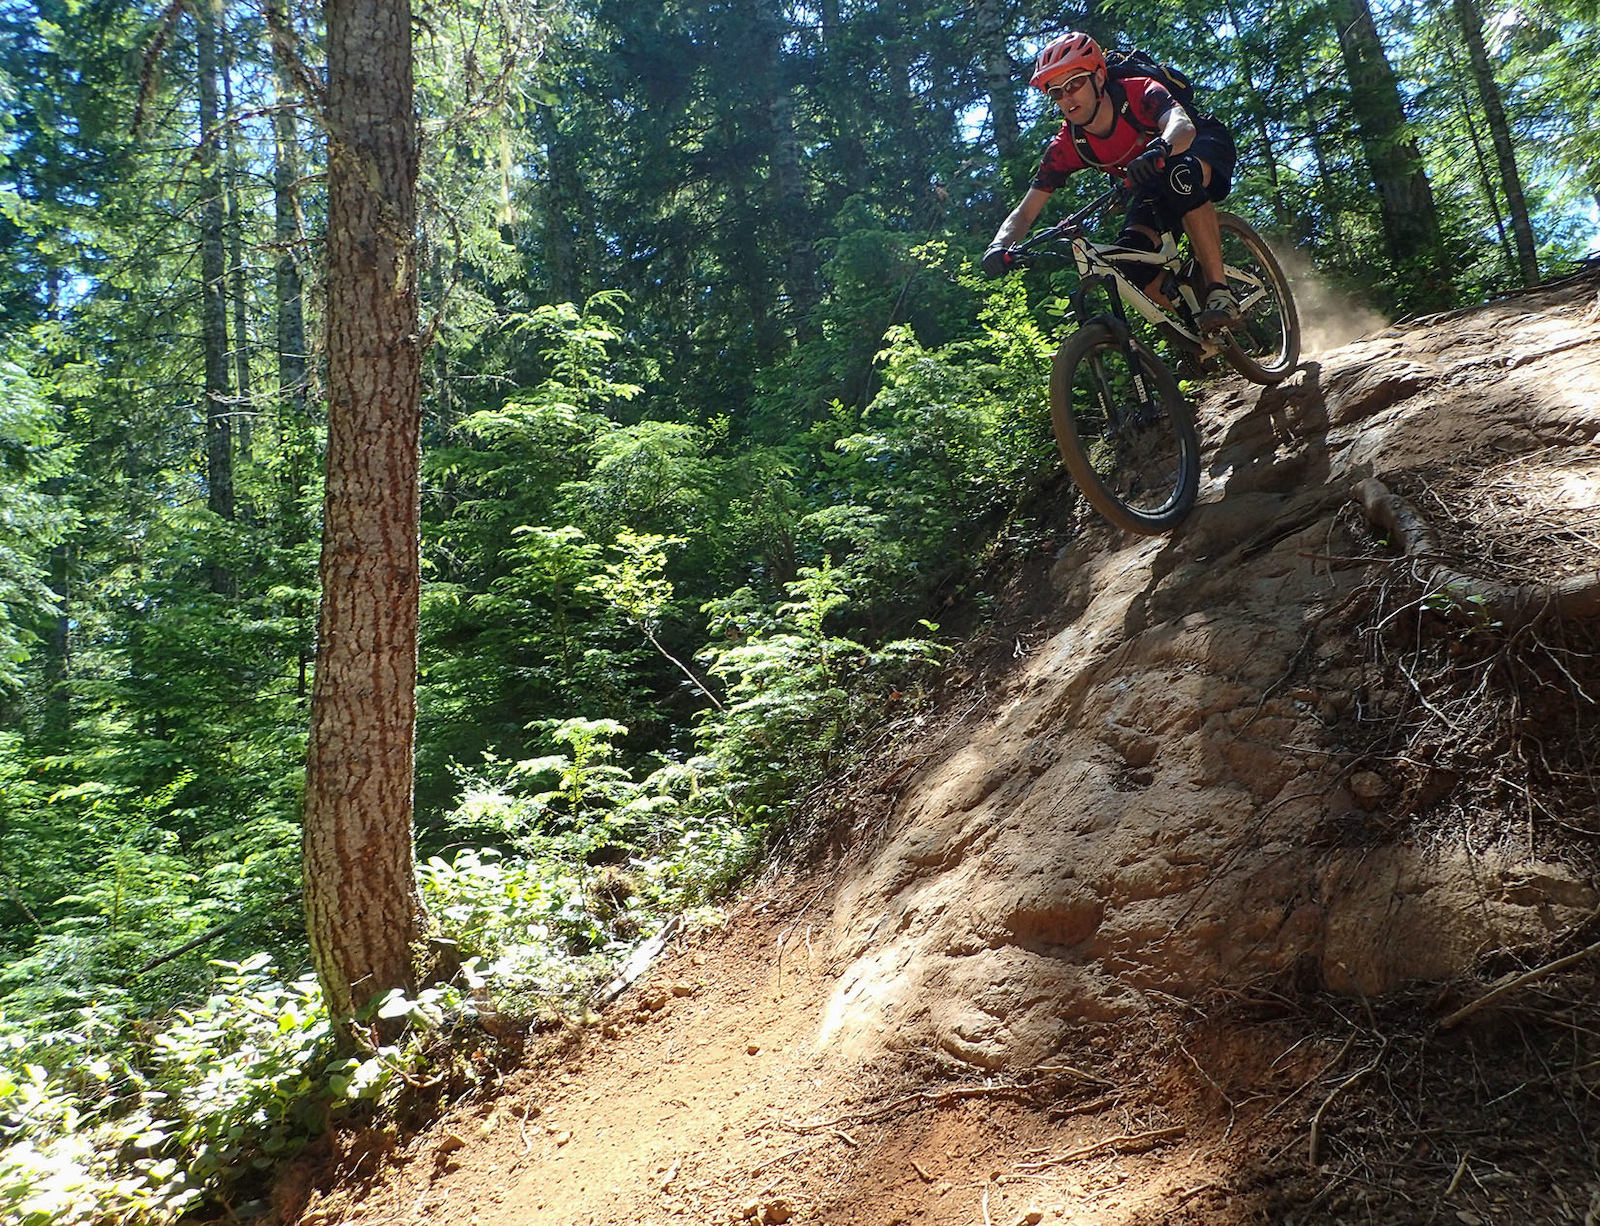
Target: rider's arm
[(1157, 109), (1177, 129), (1015, 227)]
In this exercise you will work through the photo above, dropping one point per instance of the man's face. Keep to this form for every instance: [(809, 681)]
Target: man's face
[(1076, 96)]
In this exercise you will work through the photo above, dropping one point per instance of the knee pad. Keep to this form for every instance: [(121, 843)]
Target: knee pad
[(1182, 186)]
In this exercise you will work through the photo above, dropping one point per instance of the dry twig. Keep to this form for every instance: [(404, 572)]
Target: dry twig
[(1515, 982), (1314, 1141), (1123, 1143), (930, 1098)]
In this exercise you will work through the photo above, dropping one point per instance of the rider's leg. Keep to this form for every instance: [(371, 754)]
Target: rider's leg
[(1219, 309), (1205, 241), (1139, 235), (1213, 155)]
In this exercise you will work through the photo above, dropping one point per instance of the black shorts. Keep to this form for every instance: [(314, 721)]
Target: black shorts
[(1213, 145)]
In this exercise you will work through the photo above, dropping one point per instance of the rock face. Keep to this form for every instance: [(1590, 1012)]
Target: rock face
[(1166, 803)]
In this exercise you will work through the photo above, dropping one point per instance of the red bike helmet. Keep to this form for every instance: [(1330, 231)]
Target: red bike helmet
[(1067, 56)]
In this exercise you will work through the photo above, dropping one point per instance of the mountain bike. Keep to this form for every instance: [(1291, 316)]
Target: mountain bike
[(1125, 432)]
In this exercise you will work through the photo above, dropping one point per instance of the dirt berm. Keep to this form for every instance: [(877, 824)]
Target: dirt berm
[(1181, 905)]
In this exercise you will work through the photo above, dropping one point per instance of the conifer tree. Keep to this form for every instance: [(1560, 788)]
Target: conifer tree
[(363, 911)]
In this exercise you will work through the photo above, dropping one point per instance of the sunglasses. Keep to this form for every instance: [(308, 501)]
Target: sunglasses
[(1071, 85)]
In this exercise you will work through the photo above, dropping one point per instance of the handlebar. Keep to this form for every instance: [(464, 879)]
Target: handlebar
[(1068, 228)]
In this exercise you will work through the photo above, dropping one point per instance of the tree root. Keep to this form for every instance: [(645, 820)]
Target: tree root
[(1483, 602)]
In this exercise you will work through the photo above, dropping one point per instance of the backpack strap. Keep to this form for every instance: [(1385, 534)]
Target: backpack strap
[(1123, 106)]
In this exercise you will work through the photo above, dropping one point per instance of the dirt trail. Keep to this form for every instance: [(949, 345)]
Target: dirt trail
[(1154, 920)]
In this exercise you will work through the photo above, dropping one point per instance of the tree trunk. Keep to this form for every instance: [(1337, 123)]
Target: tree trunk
[(789, 189), (294, 418), (899, 57), (850, 156), (990, 30), (750, 273), (1485, 179), (1500, 132), (1410, 219), (363, 911), (1249, 74), (560, 208), (289, 289), (239, 279), (58, 641), (213, 289), (1325, 180)]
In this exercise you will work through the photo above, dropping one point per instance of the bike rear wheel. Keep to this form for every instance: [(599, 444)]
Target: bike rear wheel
[(1137, 464), (1265, 346)]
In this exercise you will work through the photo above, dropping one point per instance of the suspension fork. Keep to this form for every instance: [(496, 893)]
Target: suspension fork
[(1117, 319)]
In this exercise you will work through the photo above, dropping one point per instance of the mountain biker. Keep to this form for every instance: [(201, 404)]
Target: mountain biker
[(1177, 166)]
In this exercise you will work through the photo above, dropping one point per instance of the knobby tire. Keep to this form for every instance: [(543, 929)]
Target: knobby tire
[(1141, 475)]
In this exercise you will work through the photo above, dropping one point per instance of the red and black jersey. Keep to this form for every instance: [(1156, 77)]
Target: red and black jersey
[(1148, 101)]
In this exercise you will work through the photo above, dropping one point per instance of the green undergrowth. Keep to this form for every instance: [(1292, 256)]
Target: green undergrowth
[(115, 1111)]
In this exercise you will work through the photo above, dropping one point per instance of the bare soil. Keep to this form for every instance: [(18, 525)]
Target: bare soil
[(1182, 903)]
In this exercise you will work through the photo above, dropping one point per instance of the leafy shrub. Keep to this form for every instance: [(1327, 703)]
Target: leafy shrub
[(105, 1126), (114, 1120), (595, 860), (796, 691)]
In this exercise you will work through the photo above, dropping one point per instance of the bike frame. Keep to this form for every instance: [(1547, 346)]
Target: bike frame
[(1097, 265), (1096, 271)]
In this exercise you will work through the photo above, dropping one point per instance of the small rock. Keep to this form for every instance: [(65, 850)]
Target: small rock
[(1368, 788), (1033, 1216), (682, 988), (451, 1142), (610, 1030), (776, 1212), (653, 999), (752, 1049), (751, 1209), (563, 1137)]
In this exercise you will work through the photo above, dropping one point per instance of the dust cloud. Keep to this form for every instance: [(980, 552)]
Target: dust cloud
[(1329, 317)]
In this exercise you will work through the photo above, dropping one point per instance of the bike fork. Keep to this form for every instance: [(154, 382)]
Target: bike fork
[(1148, 409)]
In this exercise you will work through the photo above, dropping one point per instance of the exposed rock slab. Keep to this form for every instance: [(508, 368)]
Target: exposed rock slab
[(1147, 816)]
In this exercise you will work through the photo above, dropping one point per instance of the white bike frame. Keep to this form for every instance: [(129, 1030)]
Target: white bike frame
[(1095, 260)]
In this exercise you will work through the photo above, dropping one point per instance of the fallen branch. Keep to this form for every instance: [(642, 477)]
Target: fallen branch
[(638, 962), (210, 934), (921, 1098), (1478, 600), (1515, 982)]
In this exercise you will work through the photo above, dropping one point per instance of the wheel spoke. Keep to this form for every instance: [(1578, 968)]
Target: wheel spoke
[(1265, 345)]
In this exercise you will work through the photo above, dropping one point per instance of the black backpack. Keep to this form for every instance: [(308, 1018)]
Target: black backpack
[(1131, 62), (1122, 63)]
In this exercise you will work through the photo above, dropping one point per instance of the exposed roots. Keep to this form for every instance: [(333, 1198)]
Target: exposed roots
[(1477, 705), (1479, 601)]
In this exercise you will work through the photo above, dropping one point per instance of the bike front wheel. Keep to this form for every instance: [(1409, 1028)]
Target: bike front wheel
[(1265, 346), (1135, 457)]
